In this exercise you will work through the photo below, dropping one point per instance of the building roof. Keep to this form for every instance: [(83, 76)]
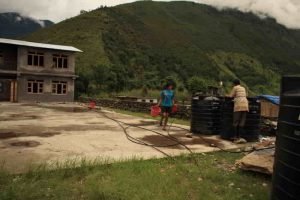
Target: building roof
[(38, 45)]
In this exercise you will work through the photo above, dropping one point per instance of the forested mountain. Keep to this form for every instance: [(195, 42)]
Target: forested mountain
[(14, 25), (137, 45)]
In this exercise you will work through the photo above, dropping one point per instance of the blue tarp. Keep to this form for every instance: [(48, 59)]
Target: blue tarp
[(273, 99)]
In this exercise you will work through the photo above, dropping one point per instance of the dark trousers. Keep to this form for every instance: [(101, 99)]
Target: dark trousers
[(239, 120)]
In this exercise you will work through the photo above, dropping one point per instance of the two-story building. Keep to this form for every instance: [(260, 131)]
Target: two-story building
[(39, 72)]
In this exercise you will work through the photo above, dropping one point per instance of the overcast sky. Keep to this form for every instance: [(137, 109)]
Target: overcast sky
[(286, 12)]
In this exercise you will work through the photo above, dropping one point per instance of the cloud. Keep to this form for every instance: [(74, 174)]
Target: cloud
[(286, 12), (55, 10), (40, 22)]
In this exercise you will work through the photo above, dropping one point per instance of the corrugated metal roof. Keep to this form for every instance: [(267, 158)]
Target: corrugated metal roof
[(39, 45)]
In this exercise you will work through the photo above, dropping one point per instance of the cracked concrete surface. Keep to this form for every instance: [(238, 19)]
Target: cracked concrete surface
[(32, 134)]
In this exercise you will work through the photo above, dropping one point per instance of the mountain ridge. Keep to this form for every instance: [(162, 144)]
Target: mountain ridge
[(15, 25), (138, 44)]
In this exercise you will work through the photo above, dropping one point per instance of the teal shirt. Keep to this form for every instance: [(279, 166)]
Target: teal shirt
[(167, 97)]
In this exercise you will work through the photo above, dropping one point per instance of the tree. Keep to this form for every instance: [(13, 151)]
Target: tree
[(100, 76), (83, 82), (197, 84), (83, 11), (170, 80), (144, 91), (119, 78)]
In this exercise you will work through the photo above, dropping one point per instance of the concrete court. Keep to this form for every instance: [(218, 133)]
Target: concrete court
[(31, 134)]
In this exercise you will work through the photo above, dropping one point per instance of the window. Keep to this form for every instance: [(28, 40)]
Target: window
[(1, 58), (60, 61), (35, 59), (35, 86), (59, 87)]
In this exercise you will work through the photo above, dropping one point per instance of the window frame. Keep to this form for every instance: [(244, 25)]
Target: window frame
[(63, 87), (35, 59), (39, 86), (60, 61)]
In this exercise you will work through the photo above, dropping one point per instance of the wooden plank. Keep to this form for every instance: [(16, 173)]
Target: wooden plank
[(269, 110)]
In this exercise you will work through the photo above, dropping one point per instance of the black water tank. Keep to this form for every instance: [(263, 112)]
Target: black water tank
[(252, 126), (286, 176), (205, 118), (253, 122), (227, 130)]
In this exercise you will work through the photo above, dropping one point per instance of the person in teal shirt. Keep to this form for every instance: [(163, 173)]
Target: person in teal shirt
[(166, 103)]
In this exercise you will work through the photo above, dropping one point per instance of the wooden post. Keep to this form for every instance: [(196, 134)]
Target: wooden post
[(16, 91), (13, 91)]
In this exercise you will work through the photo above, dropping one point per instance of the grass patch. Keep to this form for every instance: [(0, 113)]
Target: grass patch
[(158, 179), (147, 116)]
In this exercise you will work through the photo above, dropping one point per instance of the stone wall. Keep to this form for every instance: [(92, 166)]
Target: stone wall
[(184, 111)]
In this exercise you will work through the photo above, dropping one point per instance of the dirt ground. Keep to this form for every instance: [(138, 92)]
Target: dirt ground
[(31, 134)]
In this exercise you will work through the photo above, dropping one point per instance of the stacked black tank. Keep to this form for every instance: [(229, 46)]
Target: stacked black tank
[(206, 115), (227, 130), (286, 177), (252, 126)]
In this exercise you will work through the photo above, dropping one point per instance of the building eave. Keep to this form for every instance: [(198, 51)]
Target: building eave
[(39, 45), (11, 72), (48, 74)]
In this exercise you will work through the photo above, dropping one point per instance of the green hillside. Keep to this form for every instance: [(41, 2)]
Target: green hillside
[(137, 45)]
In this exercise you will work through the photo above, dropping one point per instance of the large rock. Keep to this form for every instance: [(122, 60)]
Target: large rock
[(259, 161)]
